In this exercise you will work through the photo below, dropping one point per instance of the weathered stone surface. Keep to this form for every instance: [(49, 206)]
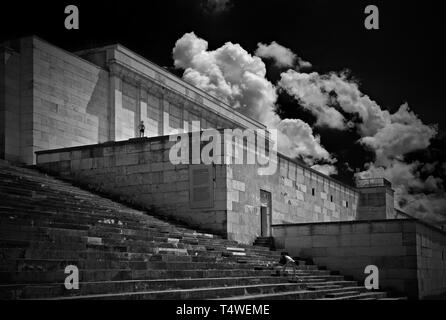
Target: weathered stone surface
[(409, 255)]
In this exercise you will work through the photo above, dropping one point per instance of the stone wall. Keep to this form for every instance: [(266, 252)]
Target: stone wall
[(299, 195), (161, 114), (409, 255), (431, 261), (139, 171), (16, 92), (53, 99), (132, 67), (142, 91), (70, 99), (9, 104), (376, 203)]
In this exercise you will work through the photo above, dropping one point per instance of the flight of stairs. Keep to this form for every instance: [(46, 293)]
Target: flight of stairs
[(265, 242), (122, 253)]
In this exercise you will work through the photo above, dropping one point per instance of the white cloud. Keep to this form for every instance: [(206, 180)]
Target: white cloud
[(187, 48), (400, 174), (230, 73), (282, 56), (296, 139), (238, 78), (314, 92), (307, 88), (403, 133)]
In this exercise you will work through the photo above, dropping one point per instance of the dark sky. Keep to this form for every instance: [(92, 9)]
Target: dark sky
[(399, 62)]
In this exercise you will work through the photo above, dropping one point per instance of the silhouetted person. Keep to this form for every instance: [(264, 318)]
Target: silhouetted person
[(141, 128)]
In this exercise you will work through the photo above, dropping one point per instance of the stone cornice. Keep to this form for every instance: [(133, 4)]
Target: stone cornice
[(156, 86), (153, 86)]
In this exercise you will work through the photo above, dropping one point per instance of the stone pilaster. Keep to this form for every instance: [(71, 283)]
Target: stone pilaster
[(115, 105)]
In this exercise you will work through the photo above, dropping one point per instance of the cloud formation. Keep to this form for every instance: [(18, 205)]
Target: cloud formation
[(282, 56), (323, 95), (309, 91), (298, 137), (391, 136), (229, 73), (238, 78), (402, 133)]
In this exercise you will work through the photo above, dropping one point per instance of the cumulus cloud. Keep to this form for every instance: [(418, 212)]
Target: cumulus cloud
[(238, 78), (351, 100), (391, 136), (307, 88), (323, 94), (403, 175), (282, 56), (403, 133), (229, 73), (297, 138)]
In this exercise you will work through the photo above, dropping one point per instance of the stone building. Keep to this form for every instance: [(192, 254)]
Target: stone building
[(53, 99), (77, 115)]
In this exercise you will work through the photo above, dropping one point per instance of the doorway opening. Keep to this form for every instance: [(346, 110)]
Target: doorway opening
[(265, 213)]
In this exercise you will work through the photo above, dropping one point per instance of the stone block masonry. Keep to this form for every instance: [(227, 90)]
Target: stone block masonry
[(223, 198), (299, 195), (51, 98), (140, 172), (60, 100)]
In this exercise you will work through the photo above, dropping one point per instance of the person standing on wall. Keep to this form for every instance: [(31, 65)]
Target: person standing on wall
[(141, 129)]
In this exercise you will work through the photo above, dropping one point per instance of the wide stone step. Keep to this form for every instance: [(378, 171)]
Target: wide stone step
[(180, 282), (96, 227), (123, 274), (59, 239), (35, 233), (56, 264), (123, 253), (165, 253), (27, 291), (342, 294), (294, 295), (356, 296), (198, 293), (92, 254)]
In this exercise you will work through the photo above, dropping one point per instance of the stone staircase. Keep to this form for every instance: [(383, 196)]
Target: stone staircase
[(265, 242), (122, 253)]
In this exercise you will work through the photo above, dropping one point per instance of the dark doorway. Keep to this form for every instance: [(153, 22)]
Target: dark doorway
[(265, 213)]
